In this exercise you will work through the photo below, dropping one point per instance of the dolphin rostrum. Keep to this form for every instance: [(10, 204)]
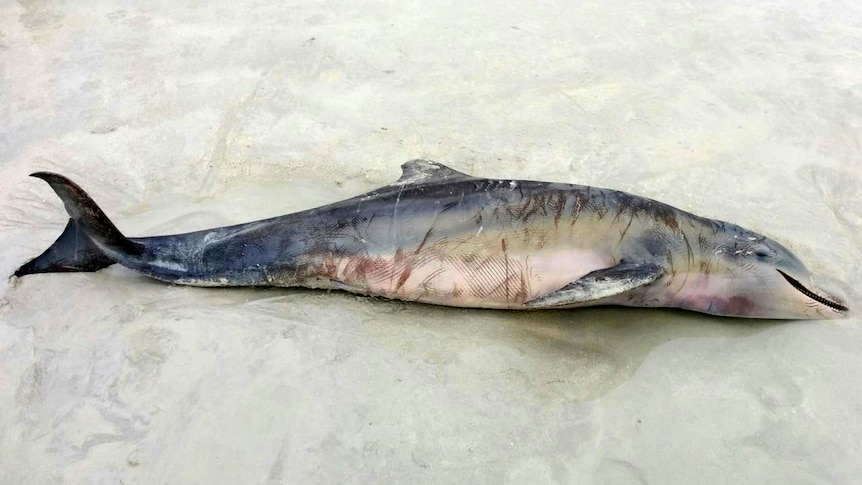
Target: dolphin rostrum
[(443, 237)]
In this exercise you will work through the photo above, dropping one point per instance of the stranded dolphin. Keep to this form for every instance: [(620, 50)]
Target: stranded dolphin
[(443, 237)]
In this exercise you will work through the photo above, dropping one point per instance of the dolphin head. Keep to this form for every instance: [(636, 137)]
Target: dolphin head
[(761, 278)]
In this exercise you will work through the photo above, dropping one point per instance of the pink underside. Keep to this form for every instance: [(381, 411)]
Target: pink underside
[(482, 279)]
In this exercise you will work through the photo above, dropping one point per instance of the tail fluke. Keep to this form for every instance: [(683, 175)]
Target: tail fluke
[(90, 241), (73, 251)]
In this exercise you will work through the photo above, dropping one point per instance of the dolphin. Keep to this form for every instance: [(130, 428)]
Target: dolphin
[(443, 237)]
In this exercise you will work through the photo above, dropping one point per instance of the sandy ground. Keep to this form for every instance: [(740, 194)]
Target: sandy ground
[(180, 118)]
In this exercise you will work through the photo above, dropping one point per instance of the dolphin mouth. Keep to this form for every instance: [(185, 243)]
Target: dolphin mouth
[(814, 296)]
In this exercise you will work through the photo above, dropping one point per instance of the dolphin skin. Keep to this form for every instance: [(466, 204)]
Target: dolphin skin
[(443, 237)]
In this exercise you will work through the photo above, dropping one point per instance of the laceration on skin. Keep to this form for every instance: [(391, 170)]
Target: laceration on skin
[(489, 247), (476, 249)]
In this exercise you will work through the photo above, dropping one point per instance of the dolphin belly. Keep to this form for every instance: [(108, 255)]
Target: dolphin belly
[(481, 279)]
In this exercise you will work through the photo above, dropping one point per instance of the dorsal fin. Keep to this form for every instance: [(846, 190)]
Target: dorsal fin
[(420, 171)]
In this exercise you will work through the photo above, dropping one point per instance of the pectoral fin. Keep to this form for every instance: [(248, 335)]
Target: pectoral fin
[(601, 284)]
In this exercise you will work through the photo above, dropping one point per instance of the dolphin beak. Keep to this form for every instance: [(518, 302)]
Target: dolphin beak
[(828, 300)]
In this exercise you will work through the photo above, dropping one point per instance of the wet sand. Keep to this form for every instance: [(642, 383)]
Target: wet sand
[(182, 118)]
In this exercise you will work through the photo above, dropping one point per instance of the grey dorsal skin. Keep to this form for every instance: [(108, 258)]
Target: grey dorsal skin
[(444, 237)]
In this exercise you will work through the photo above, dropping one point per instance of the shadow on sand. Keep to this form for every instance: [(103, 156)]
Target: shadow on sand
[(564, 354)]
